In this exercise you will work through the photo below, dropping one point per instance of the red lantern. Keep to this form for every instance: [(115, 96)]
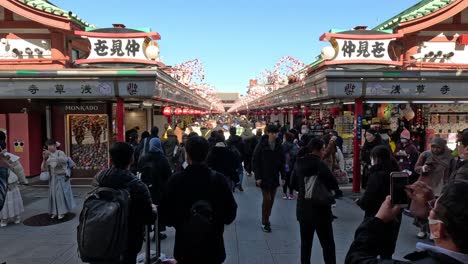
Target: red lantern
[(167, 111), (197, 112), (295, 111), (178, 111), (191, 111), (284, 111), (268, 112), (276, 112), (185, 111), (306, 110)]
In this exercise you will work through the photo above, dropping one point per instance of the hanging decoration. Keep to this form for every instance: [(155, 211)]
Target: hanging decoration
[(167, 111), (177, 111)]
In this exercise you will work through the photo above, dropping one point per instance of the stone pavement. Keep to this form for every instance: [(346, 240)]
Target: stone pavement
[(245, 242)]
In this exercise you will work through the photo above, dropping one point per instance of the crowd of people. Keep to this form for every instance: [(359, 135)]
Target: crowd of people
[(187, 178)]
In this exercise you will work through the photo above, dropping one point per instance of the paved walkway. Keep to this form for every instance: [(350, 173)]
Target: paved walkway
[(245, 242)]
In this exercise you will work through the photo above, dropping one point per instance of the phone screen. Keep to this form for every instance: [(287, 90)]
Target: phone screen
[(399, 181)]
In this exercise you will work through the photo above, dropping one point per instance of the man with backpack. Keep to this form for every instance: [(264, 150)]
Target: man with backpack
[(198, 203), (113, 219)]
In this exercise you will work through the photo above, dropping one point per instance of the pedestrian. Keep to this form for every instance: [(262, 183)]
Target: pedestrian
[(460, 171), (194, 194), (143, 148), (141, 211), (290, 152), (223, 160), (268, 164), (181, 163), (178, 132), (155, 172), (236, 145), (447, 216), (434, 167), (378, 188), (330, 158), (407, 154), (13, 206), (314, 217), (373, 139), (55, 162), (170, 147), (250, 142), (259, 134)]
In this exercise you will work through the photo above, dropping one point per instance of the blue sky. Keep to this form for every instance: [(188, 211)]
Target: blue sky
[(237, 39)]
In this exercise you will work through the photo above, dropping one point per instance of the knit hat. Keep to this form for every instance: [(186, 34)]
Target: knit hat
[(405, 134), (438, 142)]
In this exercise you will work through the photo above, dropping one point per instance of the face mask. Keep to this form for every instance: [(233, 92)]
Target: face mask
[(404, 140), (304, 131), (372, 162)]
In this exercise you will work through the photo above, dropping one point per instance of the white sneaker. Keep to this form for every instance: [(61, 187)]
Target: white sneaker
[(60, 217), (17, 220), (53, 216), (421, 234), (3, 223)]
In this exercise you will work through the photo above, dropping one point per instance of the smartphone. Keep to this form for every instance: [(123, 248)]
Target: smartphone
[(398, 183)]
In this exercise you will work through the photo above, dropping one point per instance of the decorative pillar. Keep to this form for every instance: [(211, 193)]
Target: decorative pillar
[(149, 118), (49, 121), (358, 110), (120, 119)]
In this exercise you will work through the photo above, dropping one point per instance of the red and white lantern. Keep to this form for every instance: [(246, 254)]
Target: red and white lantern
[(167, 111)]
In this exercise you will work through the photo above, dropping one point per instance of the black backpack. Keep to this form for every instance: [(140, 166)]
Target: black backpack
[(102, 230), (199, 227)]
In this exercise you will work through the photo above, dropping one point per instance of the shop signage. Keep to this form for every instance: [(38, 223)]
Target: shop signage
[(359, 127), (351, 49), (434, 90), (76, 108), (131, 48), (136, 88)]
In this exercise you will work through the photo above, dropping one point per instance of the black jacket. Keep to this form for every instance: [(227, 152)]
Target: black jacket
[(305, 166), (224, 161), (237, 142), (140, 211), (378, 187), (460, 172), (183, 190), (155, 171), (268, 164), (367, 148), (369, 237), (249, 146)]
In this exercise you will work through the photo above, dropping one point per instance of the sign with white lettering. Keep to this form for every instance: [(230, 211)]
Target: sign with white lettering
[(77, 108), (351, 49), (413, 89)]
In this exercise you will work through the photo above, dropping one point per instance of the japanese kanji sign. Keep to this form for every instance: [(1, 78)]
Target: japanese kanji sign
[(104, 48), (372, 50)]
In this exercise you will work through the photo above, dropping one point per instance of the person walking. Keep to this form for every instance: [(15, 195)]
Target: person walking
[(434, 167), (373, 139), (460, 172), (181, 163), (250, 142), (236, 145), (55, 162), (407, 154), (378, 188), (268, 164), (221, 159), (141, 211), (143, 148), (170, 147), (314, 217), (155, 172), (206, 192), (290, 151)]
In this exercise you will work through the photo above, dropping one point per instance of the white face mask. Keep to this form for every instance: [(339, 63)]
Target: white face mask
[(304, 131), (372, 162), (403, 140)]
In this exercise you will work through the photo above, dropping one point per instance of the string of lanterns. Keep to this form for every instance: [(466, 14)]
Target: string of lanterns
[(169, 111)]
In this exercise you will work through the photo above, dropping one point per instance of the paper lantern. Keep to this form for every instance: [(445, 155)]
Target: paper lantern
[(284, 111), (178, 111), (268, 112), (295, 111), (167, 111), (276, 112), (328, 53), (306, 110), (191, 111), (185, 111), (197, 112)]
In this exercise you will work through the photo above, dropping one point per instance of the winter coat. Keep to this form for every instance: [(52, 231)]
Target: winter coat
[(378, 187), (409, 161), (268, 164), (441, 168), (460, 171), (368, 239), (183, 190), (140, 212), (290, 152), (221, 159), (306, 166), (366, 151), (237, 144), (170, 145), (155, 171)]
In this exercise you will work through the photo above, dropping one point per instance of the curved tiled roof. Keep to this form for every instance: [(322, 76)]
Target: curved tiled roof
[(421, 9), (46, 6)]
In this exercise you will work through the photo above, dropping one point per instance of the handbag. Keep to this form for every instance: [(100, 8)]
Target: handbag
[(317, 192), (44, 176), (340, 176)]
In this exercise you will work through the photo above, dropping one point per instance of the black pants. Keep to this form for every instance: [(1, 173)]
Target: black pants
[(324, 231), (287, 184), (248, 164)]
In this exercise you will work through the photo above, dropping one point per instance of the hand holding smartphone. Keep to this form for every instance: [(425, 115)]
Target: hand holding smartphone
[(398, 184)]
